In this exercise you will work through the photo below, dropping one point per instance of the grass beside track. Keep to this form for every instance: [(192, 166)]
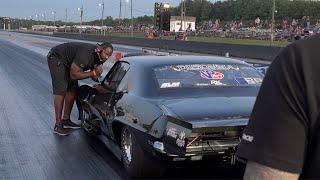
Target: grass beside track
[(212, 40), (239, 41), (253, 42)]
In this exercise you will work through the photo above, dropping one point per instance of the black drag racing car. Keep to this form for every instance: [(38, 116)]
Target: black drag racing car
[(159, 109)]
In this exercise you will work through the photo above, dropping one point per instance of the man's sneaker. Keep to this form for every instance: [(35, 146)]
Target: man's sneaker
[(67, 123), (58, 129)]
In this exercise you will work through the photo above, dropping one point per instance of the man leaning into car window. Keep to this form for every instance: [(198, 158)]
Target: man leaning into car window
[(68, 63), (282, 139)]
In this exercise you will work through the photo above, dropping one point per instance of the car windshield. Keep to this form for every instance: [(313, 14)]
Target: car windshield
[(207, 75)]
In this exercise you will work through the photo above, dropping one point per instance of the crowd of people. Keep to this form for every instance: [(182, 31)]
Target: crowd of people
[(287, 29)]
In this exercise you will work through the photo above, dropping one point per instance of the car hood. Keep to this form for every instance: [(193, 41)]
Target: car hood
[(209, 108)]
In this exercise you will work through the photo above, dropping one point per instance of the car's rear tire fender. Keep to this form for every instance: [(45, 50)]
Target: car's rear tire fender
[(140, 164)]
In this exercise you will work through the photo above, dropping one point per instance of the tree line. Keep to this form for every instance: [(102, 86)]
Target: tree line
[(205, 10), (108, 21), (229, 10)]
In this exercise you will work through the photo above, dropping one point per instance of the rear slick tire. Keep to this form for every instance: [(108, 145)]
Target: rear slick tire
[(136, 162)]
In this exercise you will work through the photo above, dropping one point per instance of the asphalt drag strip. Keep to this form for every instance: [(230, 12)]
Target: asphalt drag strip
[(28, 147)]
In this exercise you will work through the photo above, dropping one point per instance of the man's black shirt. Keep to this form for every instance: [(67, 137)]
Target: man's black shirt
[(82, 54), (283, 130)]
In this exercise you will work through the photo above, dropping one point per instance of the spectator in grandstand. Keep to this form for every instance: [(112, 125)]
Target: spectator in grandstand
[(308, 22), (284, 23), (304, 22), (294, 23), (240, 24), (217, 24), (318, 23), (257, 22)]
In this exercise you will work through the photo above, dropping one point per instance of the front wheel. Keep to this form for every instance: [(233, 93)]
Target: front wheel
[(137, 163)]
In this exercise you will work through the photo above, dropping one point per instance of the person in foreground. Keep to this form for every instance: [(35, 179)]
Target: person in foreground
[(282, 139), (68, 63)]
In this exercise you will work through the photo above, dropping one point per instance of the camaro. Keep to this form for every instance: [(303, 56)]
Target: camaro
[(151, 110)]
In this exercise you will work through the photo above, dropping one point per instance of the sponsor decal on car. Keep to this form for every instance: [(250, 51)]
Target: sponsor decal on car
[(172, 132), (241, 81), (181, 139), (247, 137), (258, 80), (217, 83), (170, 85), (202, 84), (202, 67), (211, 75), (250, 81), (205, 74), (217, 75)]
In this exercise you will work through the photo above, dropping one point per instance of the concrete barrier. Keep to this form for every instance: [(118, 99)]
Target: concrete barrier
[(266, 53)]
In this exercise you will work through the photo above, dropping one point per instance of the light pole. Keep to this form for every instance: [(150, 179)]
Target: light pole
[(37, 16), (9, 24), (272, 23), (131, 10), (183, 8), (102, 30), (4, 24), (25, 22), (120, 12), (43, 16), (31, 21), (65, 27), (81, 14), (19, 23), (161, 20), (54, 17), (131, 18)]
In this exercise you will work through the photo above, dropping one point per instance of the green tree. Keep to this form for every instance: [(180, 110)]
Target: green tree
[(201, 9)]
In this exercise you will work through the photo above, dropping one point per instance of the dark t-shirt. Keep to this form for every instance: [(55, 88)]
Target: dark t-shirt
[(283, 130), (82, 54)]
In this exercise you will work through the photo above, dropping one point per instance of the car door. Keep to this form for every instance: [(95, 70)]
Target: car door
[(112, 82)]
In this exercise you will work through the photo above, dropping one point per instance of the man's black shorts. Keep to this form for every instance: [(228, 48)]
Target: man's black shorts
[(60, 74)]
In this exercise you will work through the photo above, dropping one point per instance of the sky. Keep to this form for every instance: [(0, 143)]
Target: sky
[(44, 8)]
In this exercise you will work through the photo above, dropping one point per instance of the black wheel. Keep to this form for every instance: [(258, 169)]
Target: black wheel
[(137, 163)]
